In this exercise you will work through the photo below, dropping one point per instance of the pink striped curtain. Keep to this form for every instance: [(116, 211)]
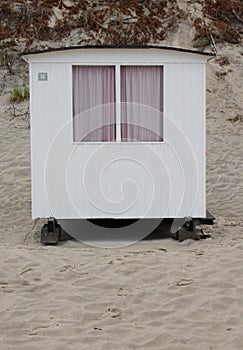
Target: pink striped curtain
[(94, 103), (142, 103)]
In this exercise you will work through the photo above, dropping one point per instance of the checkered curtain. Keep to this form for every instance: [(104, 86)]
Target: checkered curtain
[(142, 103), (94, 103)]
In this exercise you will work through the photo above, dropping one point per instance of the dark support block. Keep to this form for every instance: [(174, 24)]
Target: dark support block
[(51, 232), (190, 231), (195, 234)]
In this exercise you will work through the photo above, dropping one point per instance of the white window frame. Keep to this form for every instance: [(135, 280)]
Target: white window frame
[(118, 100)]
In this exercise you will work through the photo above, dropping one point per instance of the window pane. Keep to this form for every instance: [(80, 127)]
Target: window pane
[(142, 103), (94, 103)]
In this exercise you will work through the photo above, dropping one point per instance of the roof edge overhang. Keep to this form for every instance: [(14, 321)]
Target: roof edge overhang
[(168, 48)]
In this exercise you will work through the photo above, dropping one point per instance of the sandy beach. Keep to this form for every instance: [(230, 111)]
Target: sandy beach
[(153, 295), (156, 294)]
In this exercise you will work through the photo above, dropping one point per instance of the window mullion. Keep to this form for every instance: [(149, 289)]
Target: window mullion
[(118, 105)]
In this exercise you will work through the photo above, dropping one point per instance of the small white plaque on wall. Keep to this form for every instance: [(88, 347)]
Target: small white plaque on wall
[(42, 76)]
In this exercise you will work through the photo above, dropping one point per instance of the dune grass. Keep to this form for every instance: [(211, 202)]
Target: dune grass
[(19, 94)]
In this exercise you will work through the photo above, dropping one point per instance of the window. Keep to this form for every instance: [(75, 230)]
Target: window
[(100, 116), (141, 97), (94, 103)]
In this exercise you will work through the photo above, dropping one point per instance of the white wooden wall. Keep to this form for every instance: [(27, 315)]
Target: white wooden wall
[(118, 180)]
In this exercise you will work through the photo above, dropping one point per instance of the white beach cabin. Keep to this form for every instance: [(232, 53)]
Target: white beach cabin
[(117, 132)]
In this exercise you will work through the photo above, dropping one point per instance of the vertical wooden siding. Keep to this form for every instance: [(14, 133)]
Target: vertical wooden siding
[(90, 180)]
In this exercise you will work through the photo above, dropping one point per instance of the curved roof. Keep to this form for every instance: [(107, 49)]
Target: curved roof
[(117, 47)]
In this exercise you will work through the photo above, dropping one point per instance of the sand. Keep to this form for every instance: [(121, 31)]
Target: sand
[(157, 294), (153, 295)]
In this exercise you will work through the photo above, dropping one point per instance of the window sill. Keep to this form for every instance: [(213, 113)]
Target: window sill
[(117, 142)]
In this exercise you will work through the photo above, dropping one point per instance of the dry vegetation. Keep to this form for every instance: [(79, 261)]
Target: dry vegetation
[(114, 22), (221, 22), (104, 22)]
